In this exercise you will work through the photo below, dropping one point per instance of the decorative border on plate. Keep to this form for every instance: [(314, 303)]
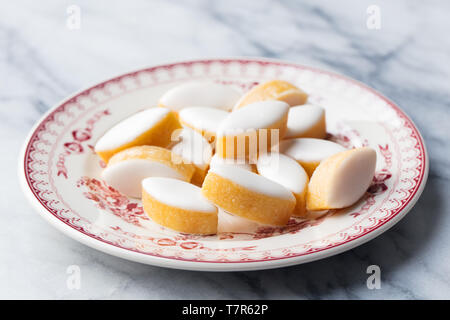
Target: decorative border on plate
[(37, 144)]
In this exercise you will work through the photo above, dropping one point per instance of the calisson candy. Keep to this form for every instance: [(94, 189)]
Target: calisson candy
[(127, 169), (209, 159), (306, 121), (248, 195), (342, 179), (194, 149), (274, 90), (199, 94), (288, 173), (203, 120), (153, 126), (252, 130), (178, 205), (309, 152)]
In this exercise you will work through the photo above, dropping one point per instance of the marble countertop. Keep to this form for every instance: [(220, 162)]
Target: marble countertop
[(43, 58)]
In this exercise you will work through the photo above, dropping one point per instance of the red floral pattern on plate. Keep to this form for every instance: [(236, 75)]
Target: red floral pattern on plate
[(390, 197), (111, 200), (75, 146)]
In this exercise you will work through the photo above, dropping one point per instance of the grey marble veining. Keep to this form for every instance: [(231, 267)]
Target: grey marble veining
[(42, 61)]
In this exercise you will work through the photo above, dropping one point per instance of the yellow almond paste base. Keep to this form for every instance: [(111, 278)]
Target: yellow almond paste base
[(181, 220), (199, 176), (300, 206), (274, 90), (317, 131), (246, 203), (157, 154), (159, 135), (248, 145), (309, 167)]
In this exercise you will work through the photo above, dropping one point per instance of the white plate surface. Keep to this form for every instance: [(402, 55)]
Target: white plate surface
[(60, 174)]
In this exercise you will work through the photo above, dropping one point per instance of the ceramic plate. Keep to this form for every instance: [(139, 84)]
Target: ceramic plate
[(60, 173)]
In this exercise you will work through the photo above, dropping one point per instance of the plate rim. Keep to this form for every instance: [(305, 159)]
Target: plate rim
[(148, 258)]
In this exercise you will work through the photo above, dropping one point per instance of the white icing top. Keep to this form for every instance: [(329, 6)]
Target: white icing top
[(129, 129), (258, 115), (126, 176), (309, 149), (177, 193), (193, 148), (200, 93), (203, 118), (216, 160), (283, 170), (252, 181), (302, 118), (351, 179)]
